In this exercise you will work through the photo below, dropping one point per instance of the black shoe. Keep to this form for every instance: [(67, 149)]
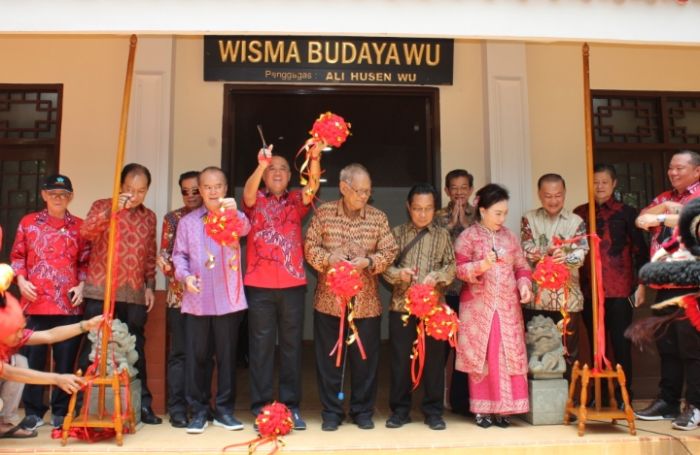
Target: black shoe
[(149, 417), (330, 425), (658, 410), (57, 421), (31, 423), (435, 422), (484, 420), (299, 423), (364, 423), (502, 421), (689, 420), (228, 422), (397, 421), (178, 420), (198, 424)]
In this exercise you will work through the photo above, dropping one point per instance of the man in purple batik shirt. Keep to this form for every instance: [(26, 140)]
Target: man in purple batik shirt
[(213, 303)]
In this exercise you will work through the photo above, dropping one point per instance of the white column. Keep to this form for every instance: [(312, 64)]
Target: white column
[(148, 133), (507, 142)]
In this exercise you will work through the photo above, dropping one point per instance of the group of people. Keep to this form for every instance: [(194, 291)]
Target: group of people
[(474, 262)]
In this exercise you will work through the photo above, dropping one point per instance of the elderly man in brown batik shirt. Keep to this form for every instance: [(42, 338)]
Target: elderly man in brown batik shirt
[(351, 230)]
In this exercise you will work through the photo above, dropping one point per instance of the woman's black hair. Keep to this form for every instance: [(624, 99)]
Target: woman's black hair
[(422, 188), (489, 195)]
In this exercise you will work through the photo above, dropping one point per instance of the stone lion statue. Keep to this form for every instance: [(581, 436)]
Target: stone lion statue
[(544, 348), (122, 348)]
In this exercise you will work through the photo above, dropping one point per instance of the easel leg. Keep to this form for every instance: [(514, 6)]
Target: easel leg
[(583, 412)]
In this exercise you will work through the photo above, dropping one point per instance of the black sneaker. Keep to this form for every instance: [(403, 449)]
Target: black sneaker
[(689, 420), (57, 421), (31, 423), (197, 424), (502, 421), (484, 420), (299, 423), (364, 423), (228, 422), (397, 421), (329, 425), (658, 410), (435, 423)]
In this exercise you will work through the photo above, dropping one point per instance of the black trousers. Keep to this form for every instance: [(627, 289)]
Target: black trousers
[(459, 386), (201, 332), (679, 350), (433, 381), (618, 316), (363, 373), (275, 314), (135, 317), (177, 398), (64, 355)]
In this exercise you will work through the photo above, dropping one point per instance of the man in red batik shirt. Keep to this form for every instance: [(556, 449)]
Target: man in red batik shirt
[(275, 280), (135, 267), (49, 258)]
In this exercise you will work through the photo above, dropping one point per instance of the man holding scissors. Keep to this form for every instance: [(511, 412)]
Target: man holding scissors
[(275, 280)]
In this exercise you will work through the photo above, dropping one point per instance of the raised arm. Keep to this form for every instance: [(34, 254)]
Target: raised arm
[(314, 172), (250, 189), (97, 220)]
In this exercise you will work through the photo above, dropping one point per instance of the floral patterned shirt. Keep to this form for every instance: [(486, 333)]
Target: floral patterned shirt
[(53, 256), (167, 242)]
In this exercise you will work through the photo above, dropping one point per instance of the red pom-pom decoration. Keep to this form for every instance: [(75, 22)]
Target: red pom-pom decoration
[(274, 420), (550, 275), (692, 311), (223, 227), (344, 280), (442, 324), (331, 129), (421, 300)]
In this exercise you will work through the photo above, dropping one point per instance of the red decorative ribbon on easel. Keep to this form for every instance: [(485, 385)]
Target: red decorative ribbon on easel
[(421, 301), (345, 282), (274, 420)]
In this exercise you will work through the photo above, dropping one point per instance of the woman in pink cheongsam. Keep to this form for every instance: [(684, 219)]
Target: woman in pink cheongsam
[(491, 342)]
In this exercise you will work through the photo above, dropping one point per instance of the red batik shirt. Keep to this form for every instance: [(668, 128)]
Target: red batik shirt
[(275, 251), (53, 256), (135, 252), (622, 248), (661, 233)]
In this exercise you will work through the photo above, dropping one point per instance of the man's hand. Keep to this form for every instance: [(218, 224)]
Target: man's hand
[(265, 156), (192, 284), (406, 275), (26, 288), (334, 258), (525, 294), (69, 383), (228, 203), (150, 299), (93, 323), (430, 279), (124, 201), (673, 207), (77, 294), (360, 263), (455, 215), (163, 264), (647, 221), (558, 256)]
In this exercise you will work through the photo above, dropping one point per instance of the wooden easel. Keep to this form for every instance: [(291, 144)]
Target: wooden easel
[(115, 380), (599, 371)]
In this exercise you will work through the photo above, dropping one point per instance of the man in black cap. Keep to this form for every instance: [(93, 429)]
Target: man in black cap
[(49, 258)]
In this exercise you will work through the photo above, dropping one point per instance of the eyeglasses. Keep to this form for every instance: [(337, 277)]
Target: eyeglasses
[(361, 193), (58, 194), (192, 192)]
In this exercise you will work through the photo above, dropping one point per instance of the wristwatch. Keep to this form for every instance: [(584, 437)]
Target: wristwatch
[(661, 218)]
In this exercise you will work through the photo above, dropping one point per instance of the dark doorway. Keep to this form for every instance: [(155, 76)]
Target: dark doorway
[(395, 134)]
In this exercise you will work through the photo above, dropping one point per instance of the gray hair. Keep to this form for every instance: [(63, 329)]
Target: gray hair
[(348, 173), (694, 156)]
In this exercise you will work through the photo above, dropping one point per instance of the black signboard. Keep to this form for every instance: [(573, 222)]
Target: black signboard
[(331, 60)]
